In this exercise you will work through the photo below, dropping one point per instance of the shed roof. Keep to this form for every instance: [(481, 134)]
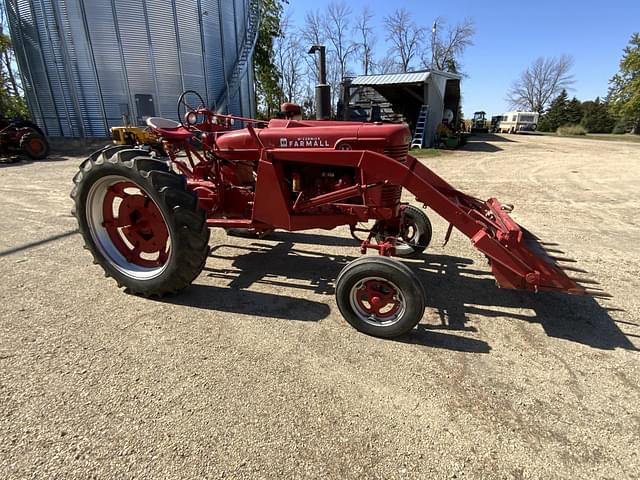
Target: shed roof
[(399, 78)]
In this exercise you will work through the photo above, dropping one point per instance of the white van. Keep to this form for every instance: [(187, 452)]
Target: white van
[(514, 122)]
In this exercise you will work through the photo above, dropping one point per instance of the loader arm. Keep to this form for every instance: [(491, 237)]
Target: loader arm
[(518, 259)]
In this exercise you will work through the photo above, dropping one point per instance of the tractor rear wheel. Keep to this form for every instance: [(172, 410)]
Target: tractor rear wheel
[(380, 296), (140, 222), (34, 145)]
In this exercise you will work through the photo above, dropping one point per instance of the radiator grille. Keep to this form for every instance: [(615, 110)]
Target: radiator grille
[(390, 196), (397, 152)]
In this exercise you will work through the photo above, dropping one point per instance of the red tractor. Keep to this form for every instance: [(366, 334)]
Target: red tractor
[(145, 213), (22, 136)]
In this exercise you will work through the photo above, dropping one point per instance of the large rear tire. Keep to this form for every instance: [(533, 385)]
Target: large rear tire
[(34, 145), (140, 222)]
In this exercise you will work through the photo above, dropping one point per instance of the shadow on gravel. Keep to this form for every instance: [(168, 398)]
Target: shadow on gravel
[(234, 300), (37, 243), (23, 161), (454, 288), (490, 137)]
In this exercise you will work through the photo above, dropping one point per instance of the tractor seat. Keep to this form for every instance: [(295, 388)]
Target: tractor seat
[(169, 129)]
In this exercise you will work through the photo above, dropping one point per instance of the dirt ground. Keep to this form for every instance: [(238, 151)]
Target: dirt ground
[(252, 372)]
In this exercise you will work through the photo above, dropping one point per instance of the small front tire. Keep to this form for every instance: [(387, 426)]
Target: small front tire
[(380, 296)]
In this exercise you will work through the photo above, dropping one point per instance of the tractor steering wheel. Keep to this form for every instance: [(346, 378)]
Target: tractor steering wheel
[(187, 113)]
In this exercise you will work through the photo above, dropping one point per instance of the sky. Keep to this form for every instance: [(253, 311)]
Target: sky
[(511, 35)]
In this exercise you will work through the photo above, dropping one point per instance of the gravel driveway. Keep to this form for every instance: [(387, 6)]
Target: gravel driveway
[(252, 372)]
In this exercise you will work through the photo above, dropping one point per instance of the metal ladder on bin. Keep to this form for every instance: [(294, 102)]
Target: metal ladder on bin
[(421, 124), (246, 51)]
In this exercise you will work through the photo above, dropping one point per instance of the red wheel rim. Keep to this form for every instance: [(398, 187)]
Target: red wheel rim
[(377, 301), (36, 146), (135, 225)]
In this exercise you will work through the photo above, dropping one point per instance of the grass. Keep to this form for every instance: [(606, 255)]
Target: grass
[(571, 130), (612, 137), (425, 152)]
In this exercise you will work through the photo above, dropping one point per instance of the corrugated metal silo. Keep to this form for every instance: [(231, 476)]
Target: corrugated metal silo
[(86, 63)]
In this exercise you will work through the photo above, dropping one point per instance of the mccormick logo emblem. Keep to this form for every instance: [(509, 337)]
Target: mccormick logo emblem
[(303, 142)]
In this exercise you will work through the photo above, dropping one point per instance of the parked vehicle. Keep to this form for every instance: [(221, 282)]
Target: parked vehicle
[(22, 137), (479, 123), (146, 217), (514, 122)]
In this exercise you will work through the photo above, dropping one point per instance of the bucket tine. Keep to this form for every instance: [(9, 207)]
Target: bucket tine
[(598, 294), (553, 250), (569, 268), (563, 259), (587, 281)]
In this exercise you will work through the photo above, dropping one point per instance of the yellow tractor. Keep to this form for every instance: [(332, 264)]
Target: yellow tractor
[(128, 135)]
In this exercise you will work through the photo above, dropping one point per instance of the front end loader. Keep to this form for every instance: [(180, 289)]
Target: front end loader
[(145, 216)]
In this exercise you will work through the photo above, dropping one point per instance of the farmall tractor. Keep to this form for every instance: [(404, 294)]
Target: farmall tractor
[(22, 137), (145, 212)]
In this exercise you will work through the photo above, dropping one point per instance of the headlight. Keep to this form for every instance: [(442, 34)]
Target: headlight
[(192, 118)]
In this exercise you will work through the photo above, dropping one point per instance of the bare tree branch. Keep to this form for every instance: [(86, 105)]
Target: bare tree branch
[(448, 45), (366, 39), (287, 48), (542, 81), (406, 37), (336, 30)]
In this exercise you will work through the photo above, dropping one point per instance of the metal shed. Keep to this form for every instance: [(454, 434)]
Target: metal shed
[(86, 63), (406, 93)]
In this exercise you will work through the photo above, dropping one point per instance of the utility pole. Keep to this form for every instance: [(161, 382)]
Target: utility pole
[(434, 35)]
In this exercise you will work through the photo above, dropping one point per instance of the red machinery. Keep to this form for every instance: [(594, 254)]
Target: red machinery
[(22, 136), (145, 216)]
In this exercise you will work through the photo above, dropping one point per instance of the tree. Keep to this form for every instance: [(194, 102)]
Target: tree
[(447, 47), (12, 104), (366, 39), (556, 116), (573, 112), (268, 78), (336, 28), (287, 48), (540, 83), (313, 34), (406, 37), (624, 91), (387, 64), (596, 118)]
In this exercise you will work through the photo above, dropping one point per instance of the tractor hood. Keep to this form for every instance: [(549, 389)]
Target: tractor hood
[(292, 134)]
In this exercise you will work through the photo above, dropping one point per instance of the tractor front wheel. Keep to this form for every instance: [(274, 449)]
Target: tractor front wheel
[(380, 296), (142, 225)]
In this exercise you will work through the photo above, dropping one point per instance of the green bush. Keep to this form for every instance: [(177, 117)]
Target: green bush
[(566, 130), (620, 127)]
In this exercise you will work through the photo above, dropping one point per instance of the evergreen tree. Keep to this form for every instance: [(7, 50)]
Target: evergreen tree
[(556, 115), (596, 117), (624, 91), (573, 114)]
